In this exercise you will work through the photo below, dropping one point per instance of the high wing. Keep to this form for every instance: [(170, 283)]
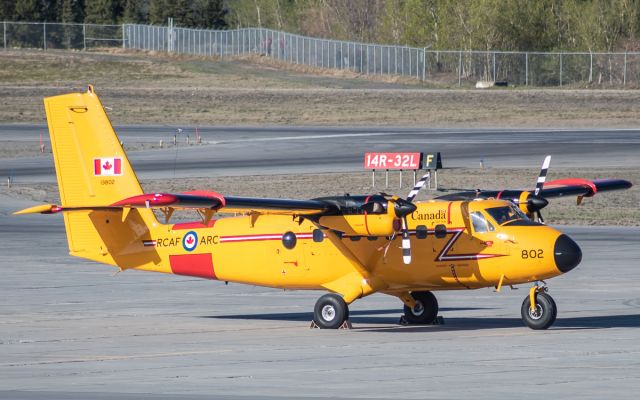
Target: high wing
[(205, 201), (582, 187), (553, 189)]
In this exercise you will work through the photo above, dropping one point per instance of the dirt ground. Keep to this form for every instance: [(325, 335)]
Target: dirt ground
[(147, 88)]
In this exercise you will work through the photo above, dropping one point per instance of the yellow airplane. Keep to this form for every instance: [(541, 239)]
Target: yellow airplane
[(350, 246)]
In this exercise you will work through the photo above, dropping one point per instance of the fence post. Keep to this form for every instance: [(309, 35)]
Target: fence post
[(590, 66), (424, 64), (494, 66), (367, 59), (5, 35), (44, 35), (624, 70), (526, 69), (560, 69), (460, 68), (84, 36), (123, 38)]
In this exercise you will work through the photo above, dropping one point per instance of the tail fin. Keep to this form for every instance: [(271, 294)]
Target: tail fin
[(91, 165), (93, 170)]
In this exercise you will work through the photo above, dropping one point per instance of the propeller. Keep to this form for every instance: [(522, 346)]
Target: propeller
[(402, 208), (535, 202)]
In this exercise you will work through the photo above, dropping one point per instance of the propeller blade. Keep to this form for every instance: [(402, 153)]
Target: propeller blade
[(406, 243), (414, 192), (539, 215), (543, 175)]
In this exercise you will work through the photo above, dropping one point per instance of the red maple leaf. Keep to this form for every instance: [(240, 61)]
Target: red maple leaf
[(190, 240), (107, 166)]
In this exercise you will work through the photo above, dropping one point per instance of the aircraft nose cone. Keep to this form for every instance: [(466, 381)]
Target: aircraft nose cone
[(566, 253)]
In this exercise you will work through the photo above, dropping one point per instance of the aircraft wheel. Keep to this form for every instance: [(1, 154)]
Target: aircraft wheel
[(543, 316), (330, 311), (425, 310)]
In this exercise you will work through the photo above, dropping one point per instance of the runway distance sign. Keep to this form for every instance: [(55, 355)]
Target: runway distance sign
[(392, 160)]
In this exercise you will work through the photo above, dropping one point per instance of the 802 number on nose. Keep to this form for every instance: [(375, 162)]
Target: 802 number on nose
[(533, 253)]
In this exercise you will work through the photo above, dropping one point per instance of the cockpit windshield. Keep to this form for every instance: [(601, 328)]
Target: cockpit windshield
[(505, 214)]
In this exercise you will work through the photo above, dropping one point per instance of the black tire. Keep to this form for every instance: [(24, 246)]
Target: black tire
[(330, 311), (545, 314), (426, 310)]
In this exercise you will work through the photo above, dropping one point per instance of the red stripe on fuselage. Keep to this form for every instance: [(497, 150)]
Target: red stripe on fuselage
[(254, 238), (366, 225)]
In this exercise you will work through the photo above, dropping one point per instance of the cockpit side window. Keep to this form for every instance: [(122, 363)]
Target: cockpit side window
[(480, 223), (374, 208)]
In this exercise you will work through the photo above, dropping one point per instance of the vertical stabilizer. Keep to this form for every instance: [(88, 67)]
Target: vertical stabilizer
[(93, 170)]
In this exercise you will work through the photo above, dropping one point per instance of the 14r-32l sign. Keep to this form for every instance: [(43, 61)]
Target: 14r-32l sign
[(392, 160)]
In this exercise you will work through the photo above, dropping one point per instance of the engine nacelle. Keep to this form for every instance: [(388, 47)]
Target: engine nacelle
[(363, 225)]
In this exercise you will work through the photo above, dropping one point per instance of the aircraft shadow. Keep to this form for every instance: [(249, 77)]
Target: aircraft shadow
[(360, 316), (475, 323), (391, 318)]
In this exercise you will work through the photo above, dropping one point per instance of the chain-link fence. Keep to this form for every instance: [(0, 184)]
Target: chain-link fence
[(448, 68), (49, 35), (320, 53)]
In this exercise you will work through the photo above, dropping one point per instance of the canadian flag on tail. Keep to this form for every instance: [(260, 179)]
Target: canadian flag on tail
[(107, 166)]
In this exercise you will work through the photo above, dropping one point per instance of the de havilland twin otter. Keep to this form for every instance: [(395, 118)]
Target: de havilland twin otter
[(351, 246)]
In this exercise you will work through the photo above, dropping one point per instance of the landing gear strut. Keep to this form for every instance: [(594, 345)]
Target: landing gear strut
[(425, 310), (330, 312), (544, 311)]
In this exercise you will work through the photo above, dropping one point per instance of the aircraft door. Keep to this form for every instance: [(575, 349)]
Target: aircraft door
[(488, 240)]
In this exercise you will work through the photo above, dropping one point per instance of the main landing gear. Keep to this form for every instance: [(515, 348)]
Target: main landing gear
[(544, 311), (330, 312)]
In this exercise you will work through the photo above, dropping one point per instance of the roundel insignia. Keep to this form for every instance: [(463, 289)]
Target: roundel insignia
[(190, 241)]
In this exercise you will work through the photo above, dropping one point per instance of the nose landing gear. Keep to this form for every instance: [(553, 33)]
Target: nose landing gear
[(538, 310), (424, 309)]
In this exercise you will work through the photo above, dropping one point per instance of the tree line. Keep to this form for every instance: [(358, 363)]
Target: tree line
[(186, 13), (519, 25)]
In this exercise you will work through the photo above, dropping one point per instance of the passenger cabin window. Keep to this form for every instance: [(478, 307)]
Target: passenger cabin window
[(505, 214), (318, 235), (441, 231), (421, 232), (480, 223)]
